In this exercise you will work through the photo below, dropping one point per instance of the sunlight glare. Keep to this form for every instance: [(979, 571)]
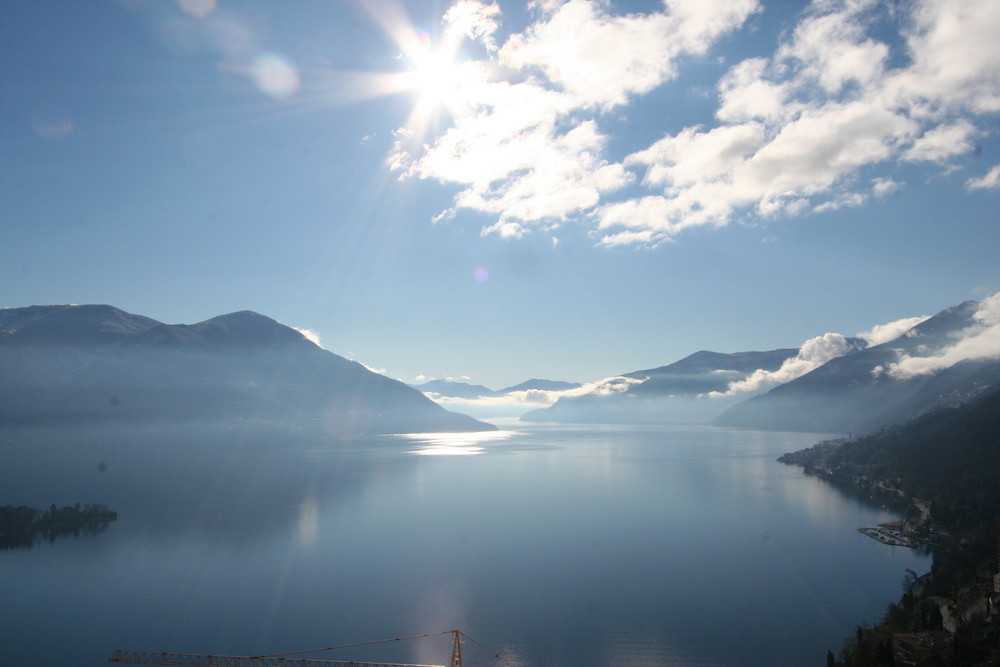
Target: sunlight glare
[(435, 76), (454, 444)]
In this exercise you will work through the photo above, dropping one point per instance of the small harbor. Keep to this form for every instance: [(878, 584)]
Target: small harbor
[(891, 534)]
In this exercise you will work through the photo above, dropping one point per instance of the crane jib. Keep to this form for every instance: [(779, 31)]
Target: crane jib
[(195, 660), (283, 659)]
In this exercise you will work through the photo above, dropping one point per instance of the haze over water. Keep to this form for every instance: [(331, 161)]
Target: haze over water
[(551, 545)]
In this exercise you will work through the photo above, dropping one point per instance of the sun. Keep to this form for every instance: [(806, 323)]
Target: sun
[(444, 83), (435, 76)]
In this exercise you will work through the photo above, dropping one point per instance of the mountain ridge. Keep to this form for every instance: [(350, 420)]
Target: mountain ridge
[(853, 393), (685, 382), (99, 363)]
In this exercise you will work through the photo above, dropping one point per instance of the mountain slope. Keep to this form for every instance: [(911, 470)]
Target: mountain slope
[(949, 456), (852, 393), (667, 393), (453, 389), (536, 384), (95, 363)]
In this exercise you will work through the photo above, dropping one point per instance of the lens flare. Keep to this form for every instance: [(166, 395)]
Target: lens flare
[(52, 124), (199, 9), (275, 75)]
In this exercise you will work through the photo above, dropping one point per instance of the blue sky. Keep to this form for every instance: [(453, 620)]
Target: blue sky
[(568, 190)]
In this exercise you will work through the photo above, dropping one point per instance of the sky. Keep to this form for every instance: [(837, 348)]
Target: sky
[(510, 190)]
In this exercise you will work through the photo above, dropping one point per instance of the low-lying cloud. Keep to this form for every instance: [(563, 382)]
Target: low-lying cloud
[(981, 341), (520, 401), (814, 353), (310, 335), (883, 333)]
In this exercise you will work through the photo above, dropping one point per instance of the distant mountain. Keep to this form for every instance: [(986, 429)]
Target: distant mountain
[(852, 393), (66, 364), (453, 389), (704, 372), (667, 393), (535, 384)]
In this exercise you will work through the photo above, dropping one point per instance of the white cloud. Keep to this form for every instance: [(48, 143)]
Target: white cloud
[(796, 132), (977, 342), (955, 64), (310, 335), (830, 47), (883, 333), (990, 181), (373, 369), (518, 402), (943, 142), (814, 353), (527, 148), (602, 60), (884, 186), (746, 95), (474, 20)]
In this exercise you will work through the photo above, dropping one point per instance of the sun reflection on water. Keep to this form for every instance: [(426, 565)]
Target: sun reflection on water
[(454, 444)]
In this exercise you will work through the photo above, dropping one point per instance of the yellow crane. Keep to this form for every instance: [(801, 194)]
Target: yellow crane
[(281, 659)]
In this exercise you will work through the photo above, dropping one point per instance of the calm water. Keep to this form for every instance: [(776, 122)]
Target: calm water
[(550, 545)]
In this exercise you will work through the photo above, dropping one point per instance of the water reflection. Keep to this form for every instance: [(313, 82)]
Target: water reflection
[(563, 546), (454, 444)]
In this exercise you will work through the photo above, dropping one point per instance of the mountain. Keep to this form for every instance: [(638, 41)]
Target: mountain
[(536, 384), (68, 364), (453, 389), (940, 470), (853, 393), (908, 457), (667, 393)]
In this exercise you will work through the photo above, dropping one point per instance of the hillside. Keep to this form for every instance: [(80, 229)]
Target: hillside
[(668, 393), (853, 393), (66, 364), (946, 462)]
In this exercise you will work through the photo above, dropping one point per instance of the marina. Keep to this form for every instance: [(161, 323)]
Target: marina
[(890, 534)]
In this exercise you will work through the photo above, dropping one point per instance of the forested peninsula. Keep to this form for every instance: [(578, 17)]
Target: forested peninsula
[(941, 471), (21, 525)]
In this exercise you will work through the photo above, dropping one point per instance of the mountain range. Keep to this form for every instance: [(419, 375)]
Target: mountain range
[(671, 393), (69, 364), (93, 363), (856, 391), (456, 389)]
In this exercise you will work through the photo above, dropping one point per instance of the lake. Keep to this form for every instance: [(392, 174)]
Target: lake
[(550, 545)]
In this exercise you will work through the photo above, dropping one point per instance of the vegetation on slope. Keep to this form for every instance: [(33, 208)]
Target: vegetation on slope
[(943, 469)]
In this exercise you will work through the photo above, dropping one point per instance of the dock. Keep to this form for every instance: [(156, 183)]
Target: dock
[(889, 534)]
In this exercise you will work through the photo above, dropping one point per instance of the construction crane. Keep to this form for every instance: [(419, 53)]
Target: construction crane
[(282, 659)]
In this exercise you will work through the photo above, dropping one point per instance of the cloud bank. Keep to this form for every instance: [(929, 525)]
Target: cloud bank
[(883, 333), (856, 86), (516, 402), (978, 342), (310, 335), (814, 353)]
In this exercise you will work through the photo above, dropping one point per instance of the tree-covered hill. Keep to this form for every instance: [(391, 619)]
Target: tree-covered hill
[(949, 458), (948, 462)]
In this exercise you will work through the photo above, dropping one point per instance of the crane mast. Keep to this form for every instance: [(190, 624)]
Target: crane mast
[(456, 651)]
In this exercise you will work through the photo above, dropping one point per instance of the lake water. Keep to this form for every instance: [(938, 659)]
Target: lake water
[(549, 544)]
